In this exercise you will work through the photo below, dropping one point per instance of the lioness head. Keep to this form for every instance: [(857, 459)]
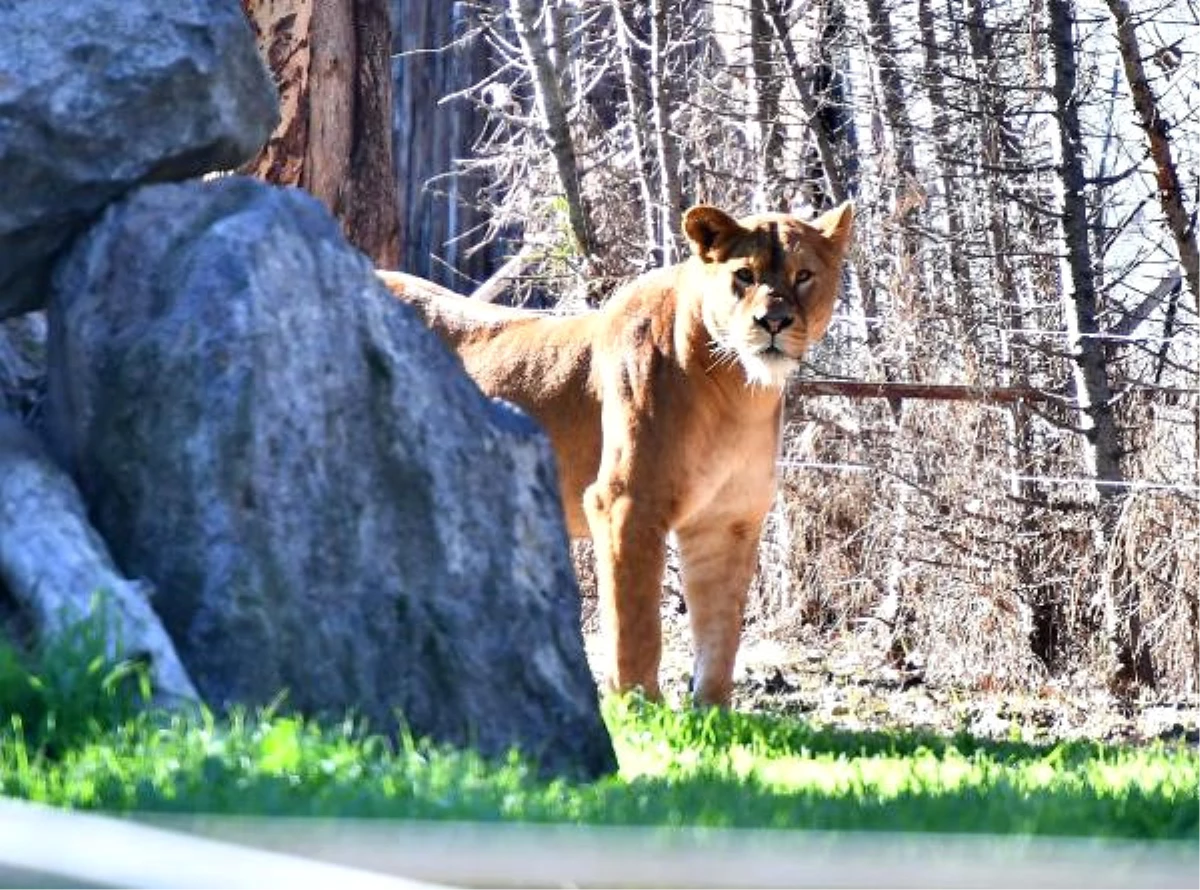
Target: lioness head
[(770, 283)]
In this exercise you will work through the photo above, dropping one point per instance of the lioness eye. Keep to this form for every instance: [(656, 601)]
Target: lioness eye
[(802, 276), (744, 275)]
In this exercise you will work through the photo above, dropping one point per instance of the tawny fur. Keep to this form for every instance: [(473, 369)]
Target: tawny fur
[(663, 408)]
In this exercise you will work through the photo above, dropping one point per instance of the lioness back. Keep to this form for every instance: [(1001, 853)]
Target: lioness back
[(539, 361)]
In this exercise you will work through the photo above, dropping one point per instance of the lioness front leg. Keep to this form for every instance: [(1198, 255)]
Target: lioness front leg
[(718, 559), (630, 548)]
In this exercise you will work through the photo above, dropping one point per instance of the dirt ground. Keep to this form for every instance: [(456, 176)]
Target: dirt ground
[(842, 683)]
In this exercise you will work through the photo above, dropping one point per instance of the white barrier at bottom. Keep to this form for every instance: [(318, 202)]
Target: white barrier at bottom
[(51, 847), (197, 850)]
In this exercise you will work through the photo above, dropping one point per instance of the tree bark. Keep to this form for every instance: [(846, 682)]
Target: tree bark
[(670, 193), (943, 141), (885, 51), (768, 90), (55, 565), (1170, 192), (553, 112), (1043, 600), (826, 151), (437, 205), (637, 92), (332, 62), (1097, 417)]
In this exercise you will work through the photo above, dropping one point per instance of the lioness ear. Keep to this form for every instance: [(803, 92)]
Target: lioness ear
[(836, 225), (704, 226)]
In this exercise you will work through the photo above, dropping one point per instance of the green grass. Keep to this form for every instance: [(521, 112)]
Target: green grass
[(712, 768), (66, 690)]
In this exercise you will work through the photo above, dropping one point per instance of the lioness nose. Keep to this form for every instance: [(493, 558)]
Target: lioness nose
[(774, 320)]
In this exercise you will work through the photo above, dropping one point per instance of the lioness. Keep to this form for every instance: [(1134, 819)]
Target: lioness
[(663, 408)]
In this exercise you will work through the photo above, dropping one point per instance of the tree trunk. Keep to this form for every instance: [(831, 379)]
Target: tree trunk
[(1097, 417), (637, 94), (1170, 192), (768, 89), (553, 112), (1043, 600), (332, 62), (823, 139), (885, 51), (995, 155), (831, 88), (670, 193), (436, 203), (1081, 299), (943, 141), (895, 112)]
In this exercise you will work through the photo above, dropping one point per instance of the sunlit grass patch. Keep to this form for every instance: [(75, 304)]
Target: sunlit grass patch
[(829, 778), (678, 768)]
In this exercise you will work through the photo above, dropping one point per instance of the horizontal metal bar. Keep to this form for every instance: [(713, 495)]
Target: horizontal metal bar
[(957, 392)]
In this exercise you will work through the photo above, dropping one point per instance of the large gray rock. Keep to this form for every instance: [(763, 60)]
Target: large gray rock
[(324, 501), (97, 96)]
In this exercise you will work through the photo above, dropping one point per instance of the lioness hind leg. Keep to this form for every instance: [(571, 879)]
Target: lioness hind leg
[(630, 551), (718, 560)]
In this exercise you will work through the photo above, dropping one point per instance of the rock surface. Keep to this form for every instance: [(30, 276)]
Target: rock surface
[(97, 96), (23, 364), (325, 502), (55, 565)]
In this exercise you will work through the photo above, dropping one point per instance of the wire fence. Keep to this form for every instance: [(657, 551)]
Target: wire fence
[(44, 846)]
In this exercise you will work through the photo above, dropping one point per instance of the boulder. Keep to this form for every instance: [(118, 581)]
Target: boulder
[(59, 571), (326, 504), (97, 96)]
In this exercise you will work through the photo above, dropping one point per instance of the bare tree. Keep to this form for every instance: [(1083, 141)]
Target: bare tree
[(943, 140), (670, 197), (894, 104), (1170, 192), (1098, 422), (999, 159), (801, 78), (768, 91), (543, 62), (898, 181), (637, 101)]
